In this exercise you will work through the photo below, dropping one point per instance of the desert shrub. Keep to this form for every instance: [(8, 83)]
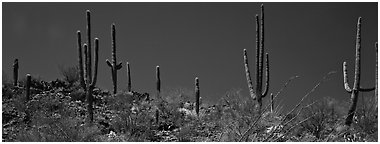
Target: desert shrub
[(70, 73)]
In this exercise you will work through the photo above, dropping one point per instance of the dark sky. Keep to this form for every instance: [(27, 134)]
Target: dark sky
[(197, 39)]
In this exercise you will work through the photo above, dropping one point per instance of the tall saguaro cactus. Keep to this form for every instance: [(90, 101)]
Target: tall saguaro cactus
[(197, 95), (354, 91), (114, 66), (129, 78), (258, 93), (15, 72), (88, 81), (158, 81)]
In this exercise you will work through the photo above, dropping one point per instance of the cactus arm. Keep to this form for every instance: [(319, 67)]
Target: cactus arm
[(109, 63), (80, 60), (119, 66), (248, 76), (96, 54), (345, 78), (265, 91), (366, 89)]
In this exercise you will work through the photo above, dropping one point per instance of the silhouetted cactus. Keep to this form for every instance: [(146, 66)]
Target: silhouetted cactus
[(129, 78), (258, 93), (356, 87), (88, 81), (114, 66), (15, 72), (28, 83), (158, 81), (197, 95)]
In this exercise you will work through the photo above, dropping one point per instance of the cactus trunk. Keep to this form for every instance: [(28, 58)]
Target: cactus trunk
[(197, 96), (356, 87), (15, 72), (114, 66)]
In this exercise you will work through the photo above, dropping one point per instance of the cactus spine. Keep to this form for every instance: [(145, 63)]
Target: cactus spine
[(15, 72), (129, 78), (114, 66), (158, 81), (88, 81), (28, 82), (197, 95), (259, 93), (356, 87)]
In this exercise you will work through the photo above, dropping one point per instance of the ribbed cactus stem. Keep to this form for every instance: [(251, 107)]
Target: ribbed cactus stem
[(15, 72), (158, 81), (28, 83), (129, 77), (356, 87), (114, 66), (248, 76), (197, 96)]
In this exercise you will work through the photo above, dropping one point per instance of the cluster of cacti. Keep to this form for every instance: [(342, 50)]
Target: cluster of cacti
[(258, 93), (354, 91), (15, 72), (114, 66), (197, 96), (87, 80)]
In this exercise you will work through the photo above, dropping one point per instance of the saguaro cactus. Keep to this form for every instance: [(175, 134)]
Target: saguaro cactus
[(157, 116), (88, 81), (197, 95), (271, 103), (129, 78), (28, 81), (158, 81), (356, 87), (258, 93), (15, 72), (114, 66)]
